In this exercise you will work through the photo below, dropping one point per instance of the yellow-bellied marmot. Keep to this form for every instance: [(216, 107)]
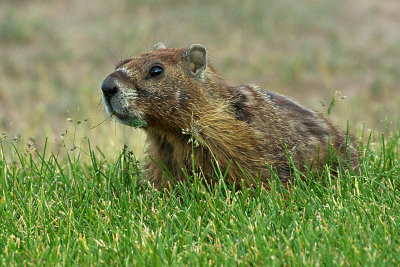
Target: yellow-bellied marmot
[(170, 92)]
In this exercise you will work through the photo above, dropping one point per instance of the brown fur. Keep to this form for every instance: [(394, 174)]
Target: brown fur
[(245, 125)]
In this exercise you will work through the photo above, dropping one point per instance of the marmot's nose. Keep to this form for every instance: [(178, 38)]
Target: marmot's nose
[(109, 87)]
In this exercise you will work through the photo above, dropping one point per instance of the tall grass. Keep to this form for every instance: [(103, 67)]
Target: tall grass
[(65, 211), (55, 54)]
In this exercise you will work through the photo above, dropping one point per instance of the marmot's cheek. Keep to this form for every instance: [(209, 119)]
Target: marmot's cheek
[(131, 103), (123, 101)]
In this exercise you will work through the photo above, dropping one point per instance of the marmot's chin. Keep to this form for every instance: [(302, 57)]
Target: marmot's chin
[(132, 121), (124, 119)]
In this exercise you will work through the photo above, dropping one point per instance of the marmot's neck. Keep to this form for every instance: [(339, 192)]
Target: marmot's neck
[(215, 85)]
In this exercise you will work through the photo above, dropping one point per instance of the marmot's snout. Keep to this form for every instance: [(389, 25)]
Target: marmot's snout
[(119, 100)]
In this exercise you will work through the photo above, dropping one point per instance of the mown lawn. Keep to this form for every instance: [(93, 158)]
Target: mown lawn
[(60, 210)]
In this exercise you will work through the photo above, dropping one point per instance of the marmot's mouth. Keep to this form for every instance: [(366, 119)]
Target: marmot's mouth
[(127, 119), (122, 118), (130, 121), (110, 110)]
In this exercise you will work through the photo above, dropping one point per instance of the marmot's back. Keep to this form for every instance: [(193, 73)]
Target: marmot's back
[(175, 95)]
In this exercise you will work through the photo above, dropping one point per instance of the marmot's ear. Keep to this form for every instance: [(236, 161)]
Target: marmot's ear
[(159, 46), (196, 57)]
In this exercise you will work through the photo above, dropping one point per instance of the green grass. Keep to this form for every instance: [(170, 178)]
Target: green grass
[(60, 210), (54, 56)]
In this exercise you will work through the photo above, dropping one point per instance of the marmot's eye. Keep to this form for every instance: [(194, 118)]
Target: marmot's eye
[(155, 71)]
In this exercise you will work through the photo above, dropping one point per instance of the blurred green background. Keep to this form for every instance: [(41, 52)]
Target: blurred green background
[(55, 54)]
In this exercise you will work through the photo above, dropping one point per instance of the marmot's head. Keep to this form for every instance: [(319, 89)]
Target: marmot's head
[(153, 87)]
